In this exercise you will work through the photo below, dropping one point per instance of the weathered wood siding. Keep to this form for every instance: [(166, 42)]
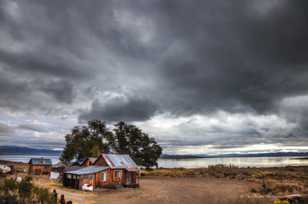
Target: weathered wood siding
[(39, 169)]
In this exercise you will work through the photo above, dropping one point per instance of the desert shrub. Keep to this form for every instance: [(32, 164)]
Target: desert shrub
[(258, 174), (9, 187), (11, 199), (174, 172), (23, 192), (265, 188), (241, 200), (42, 195), (253, 190), (278, 201), (25, 189), (286, 188)]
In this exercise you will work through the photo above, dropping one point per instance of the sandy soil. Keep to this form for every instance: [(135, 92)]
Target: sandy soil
[(161, 190)]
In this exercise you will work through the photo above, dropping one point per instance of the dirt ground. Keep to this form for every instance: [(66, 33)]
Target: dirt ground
[(161, 190)]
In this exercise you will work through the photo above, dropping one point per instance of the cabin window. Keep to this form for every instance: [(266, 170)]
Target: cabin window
[(117, 173), (104, 176), (69, 176)]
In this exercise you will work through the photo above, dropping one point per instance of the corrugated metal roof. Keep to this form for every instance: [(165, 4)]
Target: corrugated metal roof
[(72, 168), (40, 161), (87, 170), (120, 161)]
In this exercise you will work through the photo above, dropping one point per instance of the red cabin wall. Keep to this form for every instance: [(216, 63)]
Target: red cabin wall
[(39, 169)]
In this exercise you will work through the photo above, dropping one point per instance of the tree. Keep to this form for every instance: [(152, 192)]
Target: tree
[(129, 139), (94, 139), (86, 141)]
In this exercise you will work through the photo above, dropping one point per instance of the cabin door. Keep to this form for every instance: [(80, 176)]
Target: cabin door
[(37, 171), (128, 178)]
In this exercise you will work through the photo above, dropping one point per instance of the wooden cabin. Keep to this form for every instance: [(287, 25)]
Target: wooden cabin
[(109, 170), (40, 166), (123, 170)]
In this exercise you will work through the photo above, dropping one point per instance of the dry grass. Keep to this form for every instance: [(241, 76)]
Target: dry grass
[(259, 183), (272, 181), (20, 167)]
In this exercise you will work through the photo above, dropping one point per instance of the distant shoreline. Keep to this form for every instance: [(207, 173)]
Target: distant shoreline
[(27, 151), (301, 158), (275, 154)]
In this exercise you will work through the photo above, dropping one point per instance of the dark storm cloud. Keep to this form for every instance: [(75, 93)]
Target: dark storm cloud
[(35, 64), (212, 55), (30, 94), (60, 90), (179, 57), (230, 55), (128, 109)]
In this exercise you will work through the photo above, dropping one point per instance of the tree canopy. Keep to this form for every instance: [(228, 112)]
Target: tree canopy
[(96, 138)]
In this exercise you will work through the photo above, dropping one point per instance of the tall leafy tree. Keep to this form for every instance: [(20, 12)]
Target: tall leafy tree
[(87, 141), (129, 139), (91, 140)]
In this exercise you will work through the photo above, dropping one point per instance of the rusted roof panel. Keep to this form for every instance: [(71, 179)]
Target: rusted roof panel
[(40, 161), (87, 170), (120, 161)]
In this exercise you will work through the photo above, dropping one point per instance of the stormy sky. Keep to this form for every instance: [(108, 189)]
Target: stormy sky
[(199, 76)]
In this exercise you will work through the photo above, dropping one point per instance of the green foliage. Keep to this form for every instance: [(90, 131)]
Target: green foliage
[(94, 139), (9, 186), (25, 188), (24, 192), (129, 139), (42, 195), (86, 141)]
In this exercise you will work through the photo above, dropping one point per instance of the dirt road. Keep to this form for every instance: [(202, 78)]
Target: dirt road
[(163, 191)]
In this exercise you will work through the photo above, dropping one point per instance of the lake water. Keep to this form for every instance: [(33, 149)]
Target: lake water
[(198, 162), (236, 161)]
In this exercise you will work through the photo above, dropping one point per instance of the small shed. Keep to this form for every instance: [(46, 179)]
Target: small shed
[(91, 175), (39, 166)]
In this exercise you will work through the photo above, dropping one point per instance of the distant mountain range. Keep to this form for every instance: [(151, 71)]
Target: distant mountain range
[(16, 150), (269, 154)]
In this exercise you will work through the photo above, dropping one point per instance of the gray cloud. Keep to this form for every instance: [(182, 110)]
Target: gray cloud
[(62, 91), (5, 130), (180, 57), (126, 109), (31, 127), (235, 59)]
